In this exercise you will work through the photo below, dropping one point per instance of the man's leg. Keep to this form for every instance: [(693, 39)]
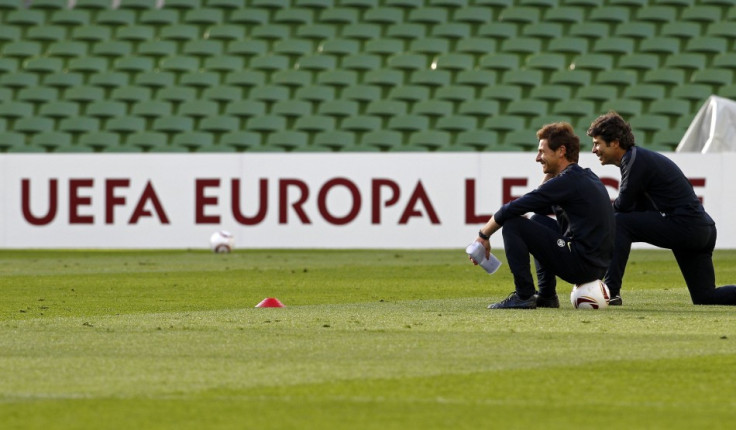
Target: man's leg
[(546, 280), (697, 269)]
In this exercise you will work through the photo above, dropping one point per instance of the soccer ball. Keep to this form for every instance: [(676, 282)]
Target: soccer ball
[(222, 241), (590, 295)]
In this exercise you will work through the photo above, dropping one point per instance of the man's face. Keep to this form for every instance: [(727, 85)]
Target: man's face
[(549, 159), (607, 152)]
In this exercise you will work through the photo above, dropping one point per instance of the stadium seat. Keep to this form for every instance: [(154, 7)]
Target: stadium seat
[(193, 140), (287, 139), (223, 93), (246, 78), (385, 78), (146, 140), (335, 139), (360, 123), (79, 125), (430, 140), (614, 45), (430, 46), (33, 125), (339, 108), (616, 77), (575, 108), (21, 49), (175, 94), (51, 140), (726, 60), (455, 93), (457, 123), (291, 108), (671, 107), (199, 80), (626, 107), (384, 46), (173, 124), (713, 76), (503, 123), (316, 32), (241, 140), (430, 78), (100, 140), (481, 109), (477, 140), (315, 93), (361, 31), (11, 141), (315, 123), (386, 108), (645, 92), (57, 109), (551, 92), (266, 123), (568, 15), (657, 13), (409, 93)]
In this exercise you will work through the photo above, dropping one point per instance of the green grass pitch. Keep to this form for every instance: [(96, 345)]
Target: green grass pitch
[(368, 340)]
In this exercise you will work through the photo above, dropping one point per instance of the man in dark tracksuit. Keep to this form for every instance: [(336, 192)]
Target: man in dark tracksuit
[(577, 247), (657, 205)]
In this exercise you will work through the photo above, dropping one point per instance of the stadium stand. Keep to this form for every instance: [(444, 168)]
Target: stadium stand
[(351, 75)]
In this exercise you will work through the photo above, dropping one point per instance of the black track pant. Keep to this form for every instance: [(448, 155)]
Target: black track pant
[(541, 237), (691, 244)]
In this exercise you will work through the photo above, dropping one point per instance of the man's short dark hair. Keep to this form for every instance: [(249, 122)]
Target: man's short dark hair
[(610, 127), (561, 134)]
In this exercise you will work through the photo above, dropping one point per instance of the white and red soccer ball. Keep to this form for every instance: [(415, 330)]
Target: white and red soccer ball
[(222, 242), (590, 295)]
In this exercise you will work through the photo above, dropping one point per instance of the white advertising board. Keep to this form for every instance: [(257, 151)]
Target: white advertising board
[(340, 200)]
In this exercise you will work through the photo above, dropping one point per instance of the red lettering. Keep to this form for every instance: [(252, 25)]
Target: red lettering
[(322, 201), (26, 203), (263, 203), (284, 185), (470, 216), (200, 201), (149, 194), (75, 201), (376, 186), (419, 195), (507, 184), (111, 200)]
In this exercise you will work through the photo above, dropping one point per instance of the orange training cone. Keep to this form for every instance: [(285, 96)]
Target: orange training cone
[(270, 302)]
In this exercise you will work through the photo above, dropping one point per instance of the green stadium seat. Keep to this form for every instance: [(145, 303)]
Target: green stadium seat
[(520, 140), (199, 80), (124, 125), (473, 14), (271, 32), (316, 32), (131, 94), (198, 108), (99, 140), (152, 109), (457, 123), (521, 45), (649, 123), (337, 78), (79, 125), (477, 140), (361, 93), (589, 30), (454, 62), (361, 123), (115, 18), (339, 16), (105, 109), (203, 48), (664, 76), (409, 93), (657, 14), (225, 32), (626, 107), (543, 30), (223, 93), (361, 31), (292, 78), (575, 108), (11, 141), (159, 17), (726, 60), (112, 49), (361, 62), (240, 140), (638, 62), (502, 92), (520, 15), (88, 65), (384, 78), (270, 62), (430, 78), (17, 80), (155, 80), (176, 94), (245, 108), (36, 95), (315, 93), (406, 31), (523, 77), (430, 140), (593, 62), (497, 30), (636, 30), (384, 140), (546, 61), (84, 94), (709, 45), (384, 46), (431, 108), (551, 92), (670, 107), (503, 123), (616, 77), (173, 124), (315, 123), (427, 15), (25, 17), (179, 32), (477, 78), (334, 139), (193, 141), (610, 14), (645, 92), (360, 4), (93, 5), (527, 107), (291, 108), (137, 5), (408, 61), (247, 47), (694, 93), (91, 33), (430, 46), (477, 46), (269, 93), (500, 62), (9, 33), (33, 125), (59, 109), (146, 140), (614, 45), (293, 16), (479, 108), (287, 139), (702, 14), (46, 33), (455, 31), (317, 62), (21, 49), (204, 17), (70, 17), (157, 48), (62, 80), (135, 33), (67, 49), (713, 76), (455, 93), (266, 123), (680, 29), (246, 78), (597, 92), (219, 124), (51, 140), (686, 61), (42, 65), (339, 108)]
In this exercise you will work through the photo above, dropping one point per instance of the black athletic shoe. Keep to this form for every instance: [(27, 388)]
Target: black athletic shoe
[(548, 302), (513, 301), (615, 301)]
